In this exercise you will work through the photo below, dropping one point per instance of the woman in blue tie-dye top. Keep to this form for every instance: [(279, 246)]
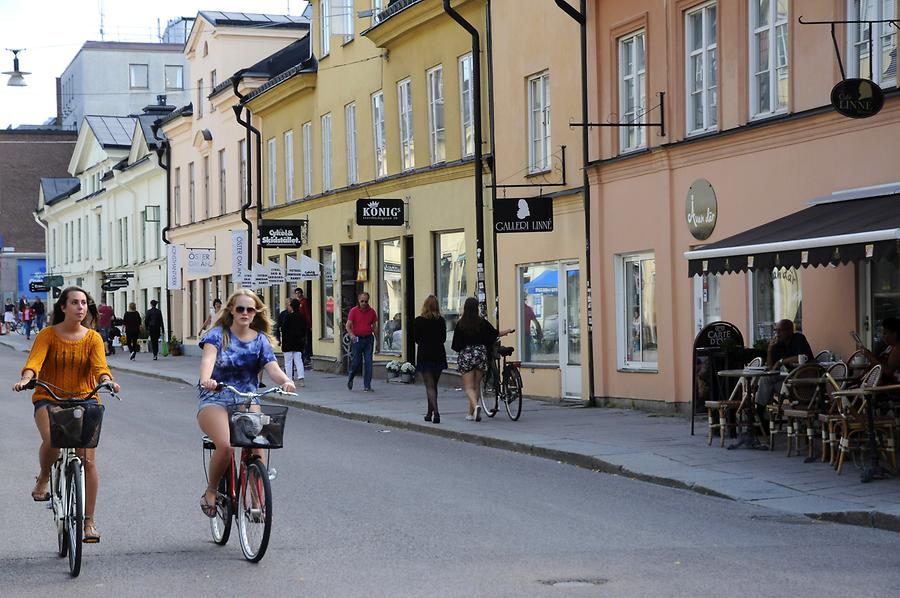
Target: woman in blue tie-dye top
[(235, 350)]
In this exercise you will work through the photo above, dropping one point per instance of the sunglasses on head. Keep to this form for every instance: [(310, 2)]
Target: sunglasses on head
[(241, 309)]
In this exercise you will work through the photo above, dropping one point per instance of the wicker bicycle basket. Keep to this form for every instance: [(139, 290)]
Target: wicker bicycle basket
[(257, 429), (75, 425)]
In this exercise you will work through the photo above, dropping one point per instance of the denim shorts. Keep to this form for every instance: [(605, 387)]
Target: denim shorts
[(41, 403), (224, 399)]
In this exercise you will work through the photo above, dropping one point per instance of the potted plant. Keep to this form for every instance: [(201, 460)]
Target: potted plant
[(174, 346), (407, 372), (393, 369)]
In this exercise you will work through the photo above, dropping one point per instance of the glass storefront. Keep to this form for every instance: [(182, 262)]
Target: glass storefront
[(777, 295), (329, 272), (638, 320), (450, 278), (390, 303), (539, 313)]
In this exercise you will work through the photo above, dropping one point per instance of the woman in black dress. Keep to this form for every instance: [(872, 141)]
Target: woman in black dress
[(430, 333), (473, 340), (132, 328)]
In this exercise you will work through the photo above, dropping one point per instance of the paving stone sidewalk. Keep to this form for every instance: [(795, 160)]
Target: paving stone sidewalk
[(648, 447)]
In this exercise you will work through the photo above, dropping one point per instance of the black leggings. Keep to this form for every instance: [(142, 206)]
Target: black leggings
[(131, 339), (431, 377)]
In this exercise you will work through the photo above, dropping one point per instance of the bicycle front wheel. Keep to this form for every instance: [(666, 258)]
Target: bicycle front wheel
[(254, 510), (57, 496), (513, 394), (489, 393), (75, 515)]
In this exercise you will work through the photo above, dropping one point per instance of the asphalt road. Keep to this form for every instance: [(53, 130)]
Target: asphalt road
[(365, 511)]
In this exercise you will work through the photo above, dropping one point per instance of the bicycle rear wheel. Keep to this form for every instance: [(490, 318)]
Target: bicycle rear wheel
[(75, 515), (220, 525), (513, 394), (489, 392), (254, 510)]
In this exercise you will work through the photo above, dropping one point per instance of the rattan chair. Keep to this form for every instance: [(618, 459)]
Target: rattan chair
[(852, 426), (796, 404), (720, 414), (830, 416)]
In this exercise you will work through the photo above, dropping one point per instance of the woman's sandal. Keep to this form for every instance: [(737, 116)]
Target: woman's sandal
[(91, 535), (38, 496), (209, 509)]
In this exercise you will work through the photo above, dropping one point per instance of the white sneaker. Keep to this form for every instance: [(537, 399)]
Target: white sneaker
[(478, 413), (300, 382), (470, 418)]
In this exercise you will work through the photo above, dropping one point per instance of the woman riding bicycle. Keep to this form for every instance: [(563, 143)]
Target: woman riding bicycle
[(68, 355), (235, 350)]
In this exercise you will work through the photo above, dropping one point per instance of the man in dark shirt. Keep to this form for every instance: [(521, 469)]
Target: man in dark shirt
[(153, 320), (785, 348)]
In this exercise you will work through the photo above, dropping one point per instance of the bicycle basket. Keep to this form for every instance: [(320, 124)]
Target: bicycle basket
[(75, 426), (257, 429)]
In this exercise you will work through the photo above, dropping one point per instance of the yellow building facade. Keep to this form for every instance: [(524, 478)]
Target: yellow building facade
[(388, 115)]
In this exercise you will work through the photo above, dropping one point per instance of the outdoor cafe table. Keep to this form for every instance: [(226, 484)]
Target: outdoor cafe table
[(748, 439), (871, 394)]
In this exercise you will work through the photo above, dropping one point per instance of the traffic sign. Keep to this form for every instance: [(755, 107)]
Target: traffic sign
[(38, 287), (54, 280), (114, 284)]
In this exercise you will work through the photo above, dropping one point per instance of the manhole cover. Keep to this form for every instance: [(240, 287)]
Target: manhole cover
[(573, 583)]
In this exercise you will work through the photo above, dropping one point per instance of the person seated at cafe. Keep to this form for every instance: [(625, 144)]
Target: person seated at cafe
[(785, 349), (889, 357)]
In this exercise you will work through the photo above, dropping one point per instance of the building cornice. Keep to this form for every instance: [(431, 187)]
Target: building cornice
[(405, 16), (287, 90)]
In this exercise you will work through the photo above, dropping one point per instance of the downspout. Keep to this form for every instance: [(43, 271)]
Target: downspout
[(580, 16), (479, 176), (493, 161), (166, 150), (246, 124)]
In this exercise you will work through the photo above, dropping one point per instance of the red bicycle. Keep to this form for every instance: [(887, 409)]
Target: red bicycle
[(245, 493)]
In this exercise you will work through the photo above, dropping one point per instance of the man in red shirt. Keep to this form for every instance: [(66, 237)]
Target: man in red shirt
[(362, 323)]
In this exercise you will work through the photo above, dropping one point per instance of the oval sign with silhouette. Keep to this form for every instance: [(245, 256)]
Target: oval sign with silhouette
[(857, 98)]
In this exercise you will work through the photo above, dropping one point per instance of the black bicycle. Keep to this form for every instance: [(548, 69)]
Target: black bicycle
[(503, 382)]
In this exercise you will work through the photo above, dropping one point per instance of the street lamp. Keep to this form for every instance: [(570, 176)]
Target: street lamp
[(16, 78)]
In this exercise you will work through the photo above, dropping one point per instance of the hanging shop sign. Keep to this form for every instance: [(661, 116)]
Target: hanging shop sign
[(173, 268), (525, 215), (276, 273), (199, 261), (857, 98), (239, 258), (282, 234), (305, 268), (379, 212), (701, 209)]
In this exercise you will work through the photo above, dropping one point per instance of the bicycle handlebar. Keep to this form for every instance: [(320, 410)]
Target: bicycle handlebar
[(254, 395), (107, 384)]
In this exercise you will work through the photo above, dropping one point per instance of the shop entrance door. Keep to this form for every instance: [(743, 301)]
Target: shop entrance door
[(350, 289), (570, 331)]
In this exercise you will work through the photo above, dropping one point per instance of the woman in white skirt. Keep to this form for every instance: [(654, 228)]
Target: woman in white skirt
[(9, 316)]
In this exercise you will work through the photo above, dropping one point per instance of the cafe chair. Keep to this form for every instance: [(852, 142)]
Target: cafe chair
[(720, 413), (798, 407), (851, 427), (830, 416), (858, 363), (823, 355)]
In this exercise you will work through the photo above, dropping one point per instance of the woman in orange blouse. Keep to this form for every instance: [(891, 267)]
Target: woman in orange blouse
[(70, 356)]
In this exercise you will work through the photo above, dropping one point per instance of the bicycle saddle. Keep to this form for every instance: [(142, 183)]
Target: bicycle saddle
[(505, 351)]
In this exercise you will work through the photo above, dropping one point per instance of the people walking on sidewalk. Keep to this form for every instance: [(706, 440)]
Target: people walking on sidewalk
[(235, 350), (153, 321), (430, 334), (27, 319), (9, 316), (40, 314), (472, 339), (106, 316), (69, 356), (306, 310), (362, 324), (293, 342), (132, 328)]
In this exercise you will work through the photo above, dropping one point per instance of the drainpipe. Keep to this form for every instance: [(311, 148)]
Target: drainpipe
[(166, 150), (580, 16), (493, 161), (479, 181), (246, 124)]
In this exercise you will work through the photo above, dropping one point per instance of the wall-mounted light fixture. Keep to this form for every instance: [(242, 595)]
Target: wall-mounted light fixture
[(16, 77)]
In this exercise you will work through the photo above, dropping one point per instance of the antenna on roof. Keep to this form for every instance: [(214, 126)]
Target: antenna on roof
[(100, 7)]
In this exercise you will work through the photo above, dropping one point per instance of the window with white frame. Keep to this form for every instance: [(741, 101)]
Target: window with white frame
[(636, 311), (349, 18), (768, 57), (199, 107), (539, 123), (192, 198), (350, 123), (466, 106), (776, 295), (539, 313), (407, 142), (325, 27), (390, 303), (223, 205), (176, 196), (450, 279), (707, 308), (99, 218), (326, 152), (78, 243), (174, 77), (272, 170), (379, 134), (205, 187), (138, 76), (701, 68), (436, 127), (143, 230), (632, 90), (882, 58), (307, 159), (86, 239), (289, 165), (327, 300)]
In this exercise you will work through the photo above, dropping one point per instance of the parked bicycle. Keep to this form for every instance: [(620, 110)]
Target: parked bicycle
[(246, 494), (503, 382), (74, 424)]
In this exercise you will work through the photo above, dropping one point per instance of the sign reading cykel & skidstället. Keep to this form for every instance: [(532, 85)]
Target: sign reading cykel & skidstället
[(282, 234)]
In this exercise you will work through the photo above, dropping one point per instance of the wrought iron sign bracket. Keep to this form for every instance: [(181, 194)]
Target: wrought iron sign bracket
[(837, 49), (661, 124), (532, 185)]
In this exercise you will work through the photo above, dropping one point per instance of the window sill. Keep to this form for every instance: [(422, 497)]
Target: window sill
[(539, 366), (323, 339), (637, 370), (348, 40), (537, 173)]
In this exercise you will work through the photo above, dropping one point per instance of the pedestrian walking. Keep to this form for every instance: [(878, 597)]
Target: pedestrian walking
[(306, 310), (362, 324), (282, 315), (9, 316), (211, 317), (27, 318), (40, 314), (153, 322), (293, 343), (69, 356), (235, 349), (132, 328), (106, 315), (472, 338), (430, 334)]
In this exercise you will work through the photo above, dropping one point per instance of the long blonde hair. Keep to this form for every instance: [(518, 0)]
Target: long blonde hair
[(261, 323), (430, 308)]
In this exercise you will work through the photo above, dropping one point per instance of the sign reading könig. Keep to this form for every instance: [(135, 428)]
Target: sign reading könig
[(857, 98), (282, 234), (701, 209), (525, 215), (379, 212)]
